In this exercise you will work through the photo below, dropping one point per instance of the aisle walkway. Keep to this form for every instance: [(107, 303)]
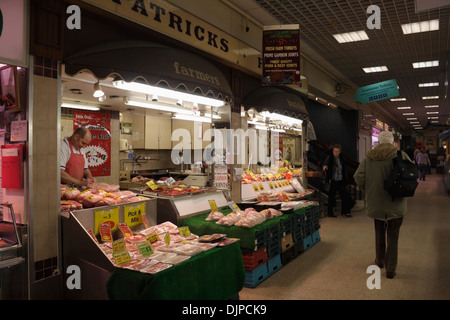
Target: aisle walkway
[(335, 268)]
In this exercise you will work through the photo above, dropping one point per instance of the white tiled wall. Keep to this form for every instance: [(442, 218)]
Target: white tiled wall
[(44, 185)]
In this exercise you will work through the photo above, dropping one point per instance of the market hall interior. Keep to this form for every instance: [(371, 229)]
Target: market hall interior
[(336, 267)]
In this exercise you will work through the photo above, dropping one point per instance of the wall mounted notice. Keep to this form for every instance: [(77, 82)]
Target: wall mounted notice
[(281, 55), (19, 130)]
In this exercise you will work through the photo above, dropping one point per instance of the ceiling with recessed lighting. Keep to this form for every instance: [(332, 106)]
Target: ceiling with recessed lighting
[(386, 47)]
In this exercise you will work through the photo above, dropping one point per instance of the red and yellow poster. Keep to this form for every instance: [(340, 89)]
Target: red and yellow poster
[(98, 152)]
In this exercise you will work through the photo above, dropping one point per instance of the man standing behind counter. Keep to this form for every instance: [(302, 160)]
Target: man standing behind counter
[(74, 165)]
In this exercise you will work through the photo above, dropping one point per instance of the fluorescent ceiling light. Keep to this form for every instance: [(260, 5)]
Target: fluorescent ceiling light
[(409, 114), (279, 117), (155, 105), (401, 108), (214, 116), (429, 84), (425, 64), (423, 26), (411, 119), (430, 97), (434, 112), (351, 36), (191, 118), (74, 105), (412, 122), (172, 94), (433, 117), (433, 106), (398, 99), (434, 121), (375, 69)]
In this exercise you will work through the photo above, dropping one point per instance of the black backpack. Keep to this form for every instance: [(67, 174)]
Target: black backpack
[(403, 180)]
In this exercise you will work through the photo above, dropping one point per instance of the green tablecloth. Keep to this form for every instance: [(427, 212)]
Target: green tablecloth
[(215, 274), (247, 236)]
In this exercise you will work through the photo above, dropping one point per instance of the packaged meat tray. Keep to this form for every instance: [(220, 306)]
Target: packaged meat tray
[(226, 241), (163, 256), (189, 250), (211, 237), (156, 268), (205, 245), (176, 259)]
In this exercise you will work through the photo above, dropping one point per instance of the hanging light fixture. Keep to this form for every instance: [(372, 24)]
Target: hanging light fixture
[(98, 90)]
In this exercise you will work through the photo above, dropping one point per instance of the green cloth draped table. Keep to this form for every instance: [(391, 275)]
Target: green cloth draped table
[(215, 274)]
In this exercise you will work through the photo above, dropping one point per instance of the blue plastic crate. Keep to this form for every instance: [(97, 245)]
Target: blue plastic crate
[(256, 276), (274, 264), (307, 242), (315, 237)]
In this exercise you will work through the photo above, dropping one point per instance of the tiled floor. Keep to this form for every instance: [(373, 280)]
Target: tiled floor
[(336, 267)]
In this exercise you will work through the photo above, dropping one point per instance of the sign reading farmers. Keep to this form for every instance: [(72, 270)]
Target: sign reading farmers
[(281, 55), (98, 151)]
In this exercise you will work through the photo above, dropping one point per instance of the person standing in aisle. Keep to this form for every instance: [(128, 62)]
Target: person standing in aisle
[(73, 162), (423, 162), (387, 213), (336, 176)]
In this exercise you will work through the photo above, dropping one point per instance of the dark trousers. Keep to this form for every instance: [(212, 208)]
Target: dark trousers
[(423, 168), (339, 186), (387, 230)]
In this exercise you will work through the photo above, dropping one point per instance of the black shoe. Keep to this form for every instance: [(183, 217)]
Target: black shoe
[(380, 265), (390, 275)]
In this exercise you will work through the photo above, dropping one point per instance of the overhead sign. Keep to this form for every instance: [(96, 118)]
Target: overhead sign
[(378, 91), (166, 18), (281, 55)]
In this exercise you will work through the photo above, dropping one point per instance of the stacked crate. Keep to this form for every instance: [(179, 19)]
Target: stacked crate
[(280, 244), (258, 267), (311, 227)]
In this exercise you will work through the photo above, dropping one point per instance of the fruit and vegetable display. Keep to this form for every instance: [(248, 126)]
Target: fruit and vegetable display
[(272, 174)]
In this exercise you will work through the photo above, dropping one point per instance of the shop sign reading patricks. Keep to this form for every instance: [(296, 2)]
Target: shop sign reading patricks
[(378, 91)]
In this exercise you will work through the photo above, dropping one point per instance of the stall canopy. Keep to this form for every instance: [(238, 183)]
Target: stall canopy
[(153, 64), (278, 100)]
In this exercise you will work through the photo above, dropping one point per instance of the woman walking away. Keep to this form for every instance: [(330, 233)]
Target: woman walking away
[(387, 213), (423, 161)]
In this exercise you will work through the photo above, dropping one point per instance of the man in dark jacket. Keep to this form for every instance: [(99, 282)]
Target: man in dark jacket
[(336, 176)]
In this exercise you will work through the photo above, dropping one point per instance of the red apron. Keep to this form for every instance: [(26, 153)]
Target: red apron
[(75, 165)]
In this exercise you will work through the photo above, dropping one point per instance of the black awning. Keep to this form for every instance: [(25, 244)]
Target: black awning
[(153, 64), (276, 99)]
